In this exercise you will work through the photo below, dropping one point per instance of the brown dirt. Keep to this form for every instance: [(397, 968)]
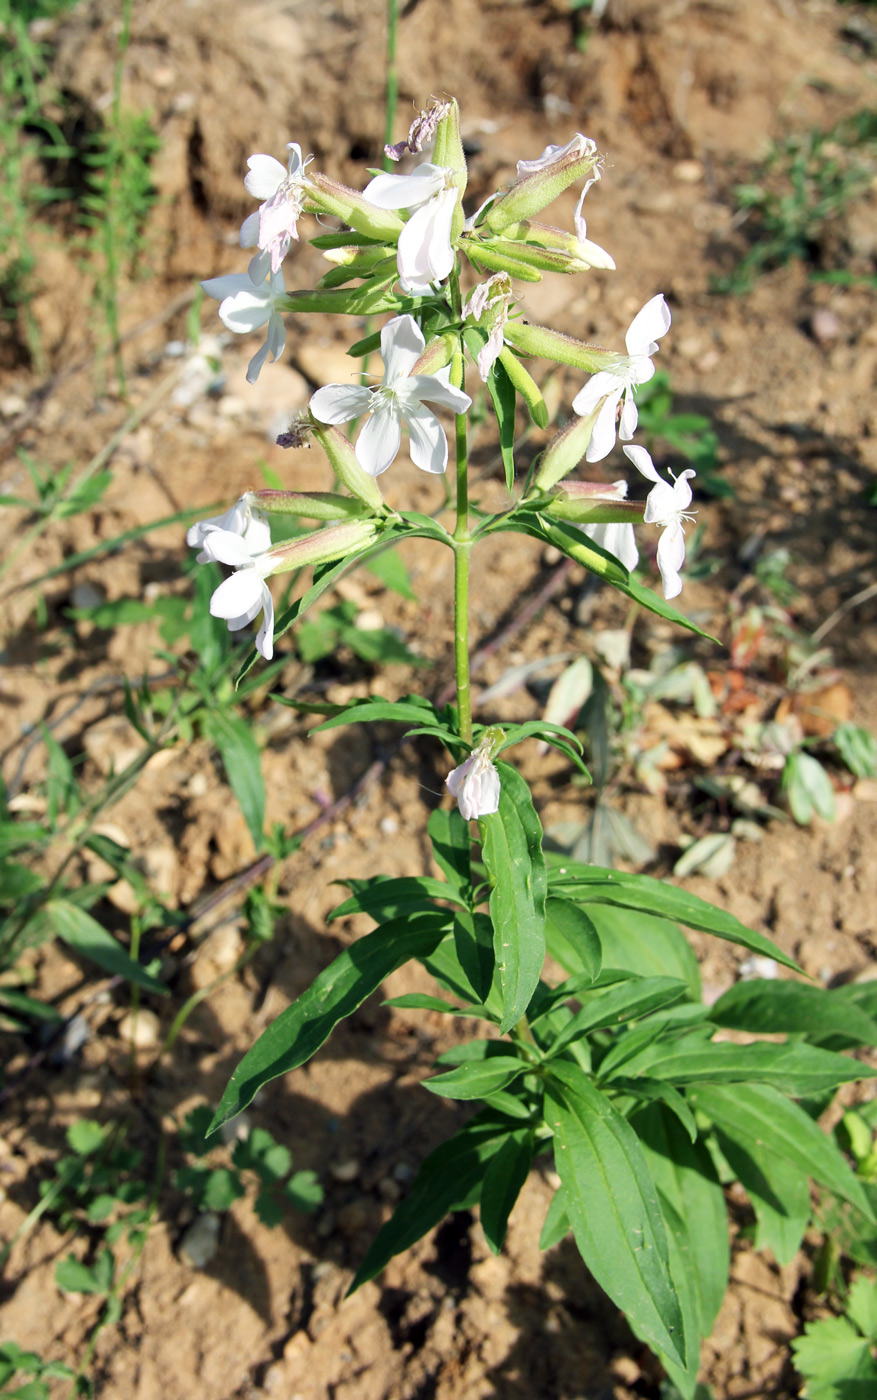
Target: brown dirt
[(680, 95)]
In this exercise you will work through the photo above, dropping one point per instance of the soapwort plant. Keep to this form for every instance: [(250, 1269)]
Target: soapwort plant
[(605, 1057)]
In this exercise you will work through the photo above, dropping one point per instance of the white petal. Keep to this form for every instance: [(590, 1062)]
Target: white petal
[(257, 363), (265, 177), (250, 230), (594, 255), (642, 461), (236, 596), (338, 403), (660, 504), (603, 433), (618, 539), (276, 335), (221, 287), (429, 446), (432, 388), (488, 802), (671, 556), (405, 191), (380, 440), (226, 547), (402, 344), (597, 387), (682, 490), (629, 417), (458, 776), (649, 324), (259, 267), (257, 535), (247, 309), (265, 635), (577, 146), (295, 162)]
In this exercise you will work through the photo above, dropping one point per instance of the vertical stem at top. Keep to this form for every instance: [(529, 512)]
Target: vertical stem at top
[(462, 548), (392, 76)]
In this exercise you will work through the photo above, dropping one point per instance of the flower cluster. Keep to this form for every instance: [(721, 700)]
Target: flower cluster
[(399, 247)]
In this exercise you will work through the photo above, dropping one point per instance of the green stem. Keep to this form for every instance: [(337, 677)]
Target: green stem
[(462, 550), (392, 98), (196, 998)]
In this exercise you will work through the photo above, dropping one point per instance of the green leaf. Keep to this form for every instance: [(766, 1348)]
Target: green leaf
[(618, 1005), (506, 1173), (555, 734), (85, 1136), (301, 1029), (862, 1306), (75, 1277), (571, 938), (779, 1191), (473, 942), (795, 1067), (637, 942), (478, 1078), (416, 1001), (587, 883), (411, 710), (502, 396), (17, 882), (451, 846), (556, 1226), (760, 1114), (445, 1180), (23, 1005), (830, 1354), (656, 1091), (91, 940), (222, 1187), (236, 742), (775, 1006), (686, 1180), (512, 851), (600, 562), (858, 749), (304, 1191), (389, 567), (383, 896), (613, 1207), (807, 788), (268, 1209)]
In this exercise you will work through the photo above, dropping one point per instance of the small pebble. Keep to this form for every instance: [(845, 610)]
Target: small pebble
[(87, 595), (824, 326), (688, 172), (345, 1171), (201, 1241), (142, 1030)]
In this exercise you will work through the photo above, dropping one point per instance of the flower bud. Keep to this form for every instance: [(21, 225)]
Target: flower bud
[(583, 253), (331, 197), (526, 386), (552, 345), (379, 267), (438, 353), (448, 152), (592, 509), (324, 546), (339, 450), (488, 258), (370, 299), (312, 505), (532, 255), (533, 191), (564, 452)]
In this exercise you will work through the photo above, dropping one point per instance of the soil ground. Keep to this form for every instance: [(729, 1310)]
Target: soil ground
[(682, 97)]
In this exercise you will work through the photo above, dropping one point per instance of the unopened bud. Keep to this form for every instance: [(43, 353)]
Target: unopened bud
[(331, 197), (339, 450), (582, 252), (438, 353), (533, 191), (312, 505), (552, 345), (565, 451), (324, 546), (594, 510)]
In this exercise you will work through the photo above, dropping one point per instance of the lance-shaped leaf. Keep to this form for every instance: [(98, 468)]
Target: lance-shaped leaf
[(451, 846), (613, 1207), (572, 939), (685, 1176), (91, 940), (618, 1005), (779, 1192), (237, 746), (384, 897), (797, 1068), (340, 988), (512, 850), (502, 396), (506, 1173), (588, 883), (771, 1006), (446, 1181), (478, 1078), (760, 1114)]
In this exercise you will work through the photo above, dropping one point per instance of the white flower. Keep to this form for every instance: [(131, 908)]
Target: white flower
[(401, 398), (666, 506), (488, 305), (242, 597), (587, 252), (274, 224), (617, 537), (424, 254), (475, 784), (240, 519), (618, 381), (245, 307), (579, 146)]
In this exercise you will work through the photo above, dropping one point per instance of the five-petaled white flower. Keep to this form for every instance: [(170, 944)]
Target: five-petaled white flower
[(274, 224), (617, 537), (240, 598), (424, 254), (475, 784), (246, 307), (243, 519), (666, 506), (402, 397), (618, 380)]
